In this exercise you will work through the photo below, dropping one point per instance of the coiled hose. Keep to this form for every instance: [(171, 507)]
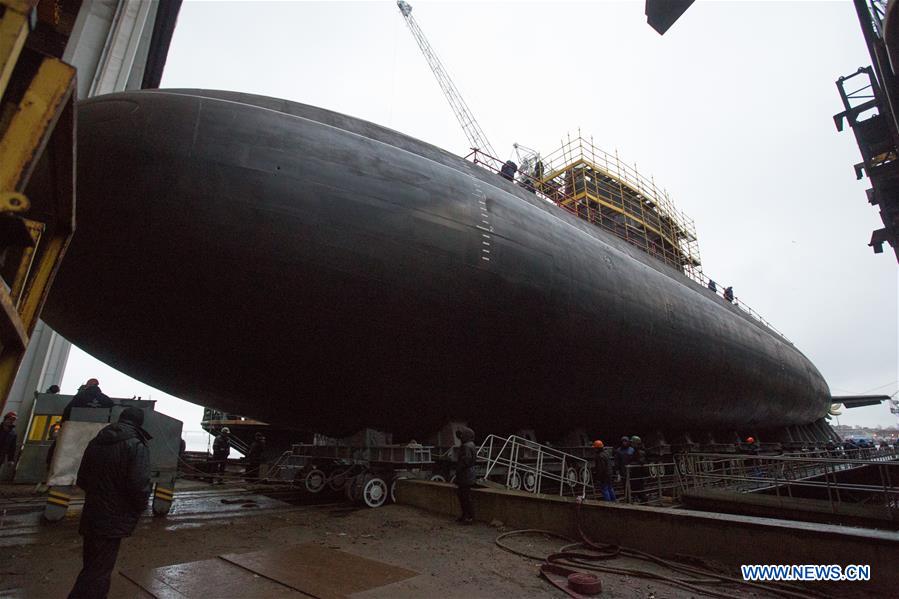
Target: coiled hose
[(575, 553)]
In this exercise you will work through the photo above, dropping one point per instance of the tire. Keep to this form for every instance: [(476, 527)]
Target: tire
[(393, 486), (374, 492), (315, 480)]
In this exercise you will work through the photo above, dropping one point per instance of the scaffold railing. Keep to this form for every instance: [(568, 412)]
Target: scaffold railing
[(601, 189)]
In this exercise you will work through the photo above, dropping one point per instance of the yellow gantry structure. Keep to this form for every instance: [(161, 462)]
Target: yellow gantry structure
[(37, 179)]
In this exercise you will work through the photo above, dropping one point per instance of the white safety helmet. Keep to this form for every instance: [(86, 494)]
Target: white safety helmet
[(226, 430)]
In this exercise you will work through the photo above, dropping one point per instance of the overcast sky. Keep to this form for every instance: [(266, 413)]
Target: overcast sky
[(731, 112)]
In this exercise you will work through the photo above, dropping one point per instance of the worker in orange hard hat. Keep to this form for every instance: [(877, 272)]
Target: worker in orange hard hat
[(752, 446), (602, 471)]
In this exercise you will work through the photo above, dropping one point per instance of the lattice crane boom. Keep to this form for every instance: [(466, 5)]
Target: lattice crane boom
[(470, 126)]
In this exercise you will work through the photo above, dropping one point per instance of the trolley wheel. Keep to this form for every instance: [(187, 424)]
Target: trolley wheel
[(338, 479), (515, 480), (353, 487), (315, 480), (374, 491), (393, 486), (571, 477), (437, 478), (530, 481), (585, 475)]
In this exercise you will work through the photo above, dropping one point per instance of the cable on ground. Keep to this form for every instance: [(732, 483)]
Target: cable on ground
[(585, 554)]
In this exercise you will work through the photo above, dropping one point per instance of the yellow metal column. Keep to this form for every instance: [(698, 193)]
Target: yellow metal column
[(39, 120)]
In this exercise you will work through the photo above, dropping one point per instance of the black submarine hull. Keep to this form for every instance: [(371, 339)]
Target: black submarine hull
[(310, 269)]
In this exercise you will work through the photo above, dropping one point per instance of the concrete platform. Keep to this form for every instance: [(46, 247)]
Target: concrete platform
[(729, 540)]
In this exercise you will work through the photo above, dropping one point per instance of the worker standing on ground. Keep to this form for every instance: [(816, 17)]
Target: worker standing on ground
[(8, 444), (602, 466), (254, 457), (221, 447), (465, 472), (115, 477), (89, 396)]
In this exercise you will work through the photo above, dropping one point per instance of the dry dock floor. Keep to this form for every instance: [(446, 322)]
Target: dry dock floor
[(38, 559)]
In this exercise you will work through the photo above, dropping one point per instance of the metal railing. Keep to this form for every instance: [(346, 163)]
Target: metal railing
[(520, 463), (788, 474), (652, 484)]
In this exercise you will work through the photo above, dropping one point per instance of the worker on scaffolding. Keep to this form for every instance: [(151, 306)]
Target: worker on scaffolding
[(602, 471), (508, 170), (713, 287), (729, 294), (221, 448), (466, 475)]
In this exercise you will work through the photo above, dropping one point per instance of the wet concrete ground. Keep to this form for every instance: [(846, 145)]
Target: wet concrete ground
[(42, 560)]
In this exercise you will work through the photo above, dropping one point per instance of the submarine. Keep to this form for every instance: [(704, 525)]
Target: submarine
[(317, 271)]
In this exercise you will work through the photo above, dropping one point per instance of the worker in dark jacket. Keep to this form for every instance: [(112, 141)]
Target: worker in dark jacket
[(88, 396), (254, 457), (624, 453), (637, 472), (221, 448), (8, 438), (115, 477), (466, 460), (602, 467), (508, 170)]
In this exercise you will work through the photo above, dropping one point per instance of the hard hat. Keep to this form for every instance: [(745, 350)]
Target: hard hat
[(598, 444), (636, 439), (750, 439), (92, 383), (625, 439), (10, 415), (226, 430)]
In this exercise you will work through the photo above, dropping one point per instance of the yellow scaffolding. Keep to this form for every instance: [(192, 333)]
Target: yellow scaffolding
[(37, 180), (601, 189)]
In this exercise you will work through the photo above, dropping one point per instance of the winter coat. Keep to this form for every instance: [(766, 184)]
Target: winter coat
[(7, 443), (254, 454), (221, 448), (603, 465), (623, 457), (115, 477), (466, 473), (88, 397)]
